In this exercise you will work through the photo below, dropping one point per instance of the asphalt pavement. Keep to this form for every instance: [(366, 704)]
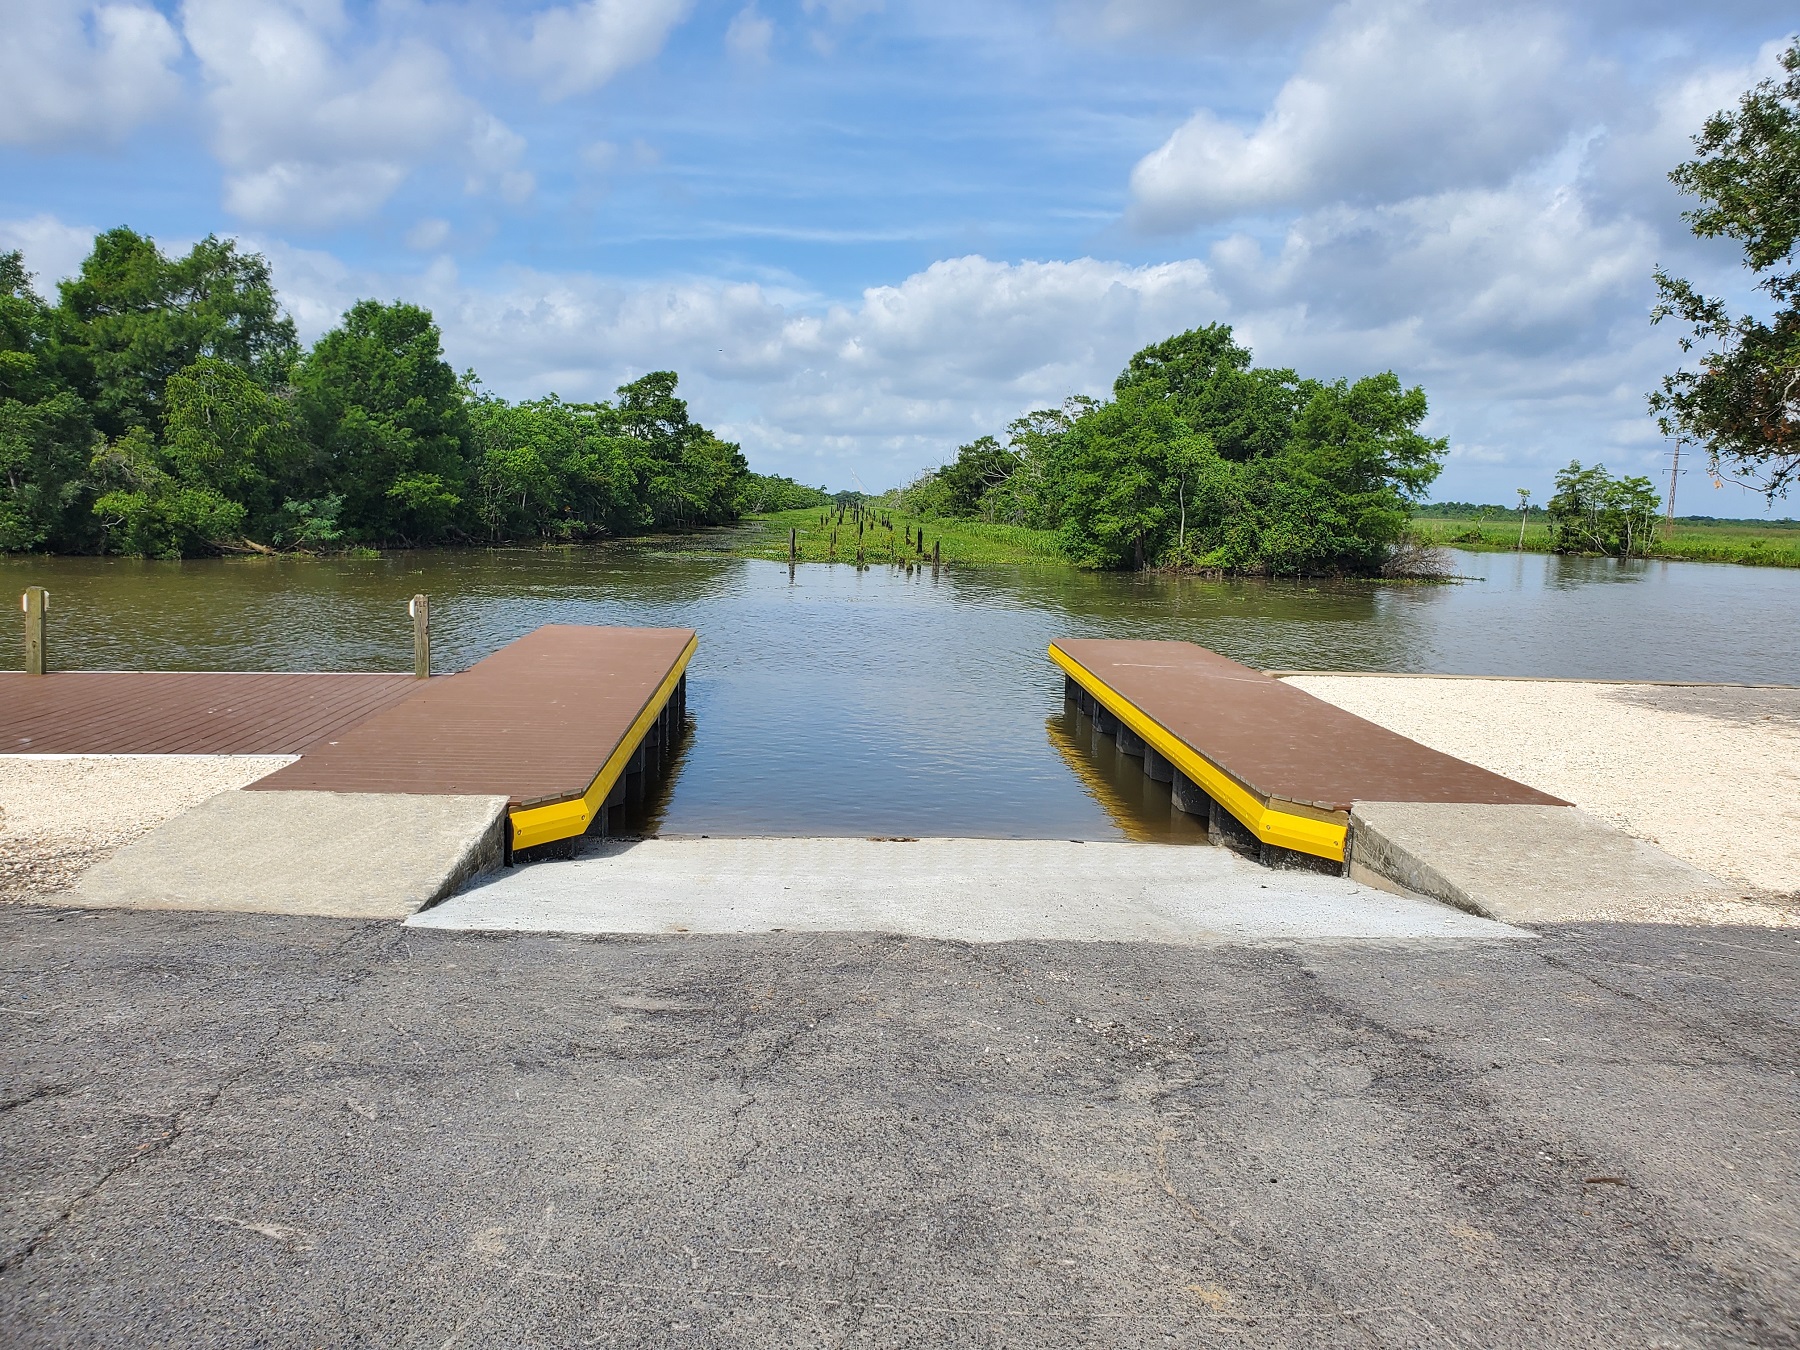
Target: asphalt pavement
[(242, 1130)]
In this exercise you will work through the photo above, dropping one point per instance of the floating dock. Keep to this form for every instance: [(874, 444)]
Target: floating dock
[(553, 722), (1275, 770)]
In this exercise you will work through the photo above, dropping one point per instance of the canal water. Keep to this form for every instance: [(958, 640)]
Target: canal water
[(890, 703)]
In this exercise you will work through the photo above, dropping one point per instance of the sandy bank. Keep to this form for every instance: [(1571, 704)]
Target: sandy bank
[(1710, 773)]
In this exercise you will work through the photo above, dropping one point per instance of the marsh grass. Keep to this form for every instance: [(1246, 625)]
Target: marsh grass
[(1742, 542), (961, 541)]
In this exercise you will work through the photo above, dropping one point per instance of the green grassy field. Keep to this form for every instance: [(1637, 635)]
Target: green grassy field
[(1710, 541), (961, 541)]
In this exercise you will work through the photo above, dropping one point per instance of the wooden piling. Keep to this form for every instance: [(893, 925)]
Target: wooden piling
[(36, 603), (793, 543), (937, 552), (420, 609)]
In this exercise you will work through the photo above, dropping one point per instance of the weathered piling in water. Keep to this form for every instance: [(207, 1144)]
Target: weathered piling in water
[(937, 552), (36, 604), (793, 543), (420, 609), (1156, 768), (1130, 743)]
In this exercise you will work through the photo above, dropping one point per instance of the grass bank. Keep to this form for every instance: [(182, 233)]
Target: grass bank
[(822, 539), (1724, 541)]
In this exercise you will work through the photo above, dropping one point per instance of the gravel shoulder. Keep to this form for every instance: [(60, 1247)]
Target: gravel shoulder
[(61, 814), (1711, 774)]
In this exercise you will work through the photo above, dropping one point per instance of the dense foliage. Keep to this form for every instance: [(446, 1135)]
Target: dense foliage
[(1743, 401), (1593, 512), (164, 407), (1203, 460)]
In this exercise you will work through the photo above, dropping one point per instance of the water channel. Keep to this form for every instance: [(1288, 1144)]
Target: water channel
[(887, 703)]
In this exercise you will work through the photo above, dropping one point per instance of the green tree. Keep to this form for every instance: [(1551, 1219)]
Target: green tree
[(684, 475), (1743, 401), (767, 493), (145, 510), (1114, 476), (226, 432), (387, 416), (1593, 512), (46, 434), (132, 318)]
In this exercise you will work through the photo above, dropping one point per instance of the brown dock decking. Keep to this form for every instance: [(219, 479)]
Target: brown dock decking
[(550, 721), (130, 712), (1286, 765)]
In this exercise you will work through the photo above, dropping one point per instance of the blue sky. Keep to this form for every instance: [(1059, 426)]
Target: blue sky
[(867, 232)]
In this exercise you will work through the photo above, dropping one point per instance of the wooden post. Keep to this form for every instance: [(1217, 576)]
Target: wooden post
[(36, 603), (793, 543), (937, 552), (420, 609)]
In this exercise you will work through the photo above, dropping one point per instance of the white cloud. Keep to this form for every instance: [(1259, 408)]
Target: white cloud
[(574, 49), (73, 70), (749, 35), (1392, 98), (53, 251), (310, 137)]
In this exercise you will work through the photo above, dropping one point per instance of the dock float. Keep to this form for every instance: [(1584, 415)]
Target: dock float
[(1275, 770), (553, 722)]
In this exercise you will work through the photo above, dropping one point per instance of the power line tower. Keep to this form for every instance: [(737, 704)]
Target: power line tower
[(1674, 473)]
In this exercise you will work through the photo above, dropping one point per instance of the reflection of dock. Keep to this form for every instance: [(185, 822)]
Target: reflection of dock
[(1272, 768), (1134, 818)]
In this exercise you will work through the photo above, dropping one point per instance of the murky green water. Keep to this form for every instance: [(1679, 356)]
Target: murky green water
[(889, 703)]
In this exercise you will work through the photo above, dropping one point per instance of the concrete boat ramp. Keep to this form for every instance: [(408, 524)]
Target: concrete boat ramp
[(968, 890), (406, 792)]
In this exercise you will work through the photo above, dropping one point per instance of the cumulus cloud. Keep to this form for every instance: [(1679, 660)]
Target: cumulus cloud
[(311, 137), (1393, 97), (880, 386), (72, 70), (53, 250), (574, 49)]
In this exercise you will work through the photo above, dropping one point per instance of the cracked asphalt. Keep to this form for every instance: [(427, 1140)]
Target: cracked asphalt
[(243, 1130)]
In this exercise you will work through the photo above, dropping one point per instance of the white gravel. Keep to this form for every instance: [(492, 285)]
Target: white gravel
[(60, 814), (1711, 774)]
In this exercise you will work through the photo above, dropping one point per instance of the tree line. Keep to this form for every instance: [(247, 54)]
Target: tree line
[(1203, 460), (164, 407)]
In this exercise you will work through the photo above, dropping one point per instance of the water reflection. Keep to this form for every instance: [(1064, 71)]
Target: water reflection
[(885, 702)]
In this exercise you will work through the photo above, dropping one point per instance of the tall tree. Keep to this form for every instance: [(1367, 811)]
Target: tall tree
[(386, 413), (46, 434), (1743, 402), (132, 318)]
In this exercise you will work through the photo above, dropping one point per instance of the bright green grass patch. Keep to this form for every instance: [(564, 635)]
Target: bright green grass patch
[(821, 538), (1718, 541)]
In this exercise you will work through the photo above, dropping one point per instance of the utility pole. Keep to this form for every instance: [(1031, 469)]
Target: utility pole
[(1674, 473)]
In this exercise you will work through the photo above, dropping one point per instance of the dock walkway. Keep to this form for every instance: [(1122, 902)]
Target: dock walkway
[(180, 712), (1286, 766), (552, 722)]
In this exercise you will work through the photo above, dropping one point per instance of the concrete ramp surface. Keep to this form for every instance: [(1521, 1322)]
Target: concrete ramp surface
[(972, 890), (342, 854)]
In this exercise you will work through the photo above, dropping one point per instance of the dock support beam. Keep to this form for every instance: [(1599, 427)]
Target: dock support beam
[(420, 609), (36, 603), (1156, 768)]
